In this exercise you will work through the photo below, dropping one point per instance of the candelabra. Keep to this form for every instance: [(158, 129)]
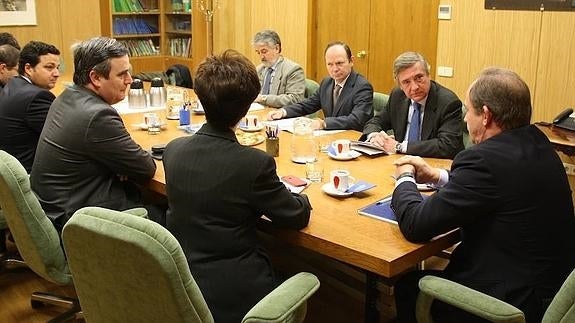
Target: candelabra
[(207, 7)]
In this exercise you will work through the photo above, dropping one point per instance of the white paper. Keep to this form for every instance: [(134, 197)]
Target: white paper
[(256, 107)]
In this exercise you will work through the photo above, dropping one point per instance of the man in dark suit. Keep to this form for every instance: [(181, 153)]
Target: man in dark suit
[(508, 194), (345, 97), (26, 99), (218, 190), (425, 117), (85, 155)]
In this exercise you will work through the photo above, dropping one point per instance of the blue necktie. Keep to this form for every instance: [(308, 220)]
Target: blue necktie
[(267, 81), (414, 125)]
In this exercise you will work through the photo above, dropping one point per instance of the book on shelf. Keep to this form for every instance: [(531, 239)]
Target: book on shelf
[(180, 47), (129, 6), (132, 25)]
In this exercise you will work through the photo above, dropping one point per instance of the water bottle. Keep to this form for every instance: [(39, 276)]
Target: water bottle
[(303, 146), (157, 93), (136, 95)]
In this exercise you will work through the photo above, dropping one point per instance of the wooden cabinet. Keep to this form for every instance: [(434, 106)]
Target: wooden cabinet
[(158, 33), (377, 31)]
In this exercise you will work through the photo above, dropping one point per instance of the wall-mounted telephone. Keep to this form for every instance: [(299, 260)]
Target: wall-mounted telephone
[(564, 120)]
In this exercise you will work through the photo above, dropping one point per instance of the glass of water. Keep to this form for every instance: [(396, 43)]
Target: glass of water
[(314, 170)]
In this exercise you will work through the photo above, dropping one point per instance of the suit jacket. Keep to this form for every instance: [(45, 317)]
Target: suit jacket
[(511, 198), (288, 83), (217, 191), (441, 133), (83, 148), (354, 106), (23, 110)]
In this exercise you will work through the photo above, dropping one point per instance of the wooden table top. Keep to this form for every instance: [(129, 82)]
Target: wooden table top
[(562, 139), (335, 228)]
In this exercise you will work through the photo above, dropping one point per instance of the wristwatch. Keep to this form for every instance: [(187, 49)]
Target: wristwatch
[(264, 98), (398, 147)]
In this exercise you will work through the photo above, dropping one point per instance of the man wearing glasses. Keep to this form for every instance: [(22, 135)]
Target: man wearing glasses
[(425, 117), (282, 80)]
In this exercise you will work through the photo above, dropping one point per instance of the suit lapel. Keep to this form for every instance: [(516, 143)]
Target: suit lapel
[(429, 113), (275, 86), (403, 112)]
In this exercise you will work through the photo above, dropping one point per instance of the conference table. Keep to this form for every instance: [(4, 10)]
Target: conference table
[(335, 228)]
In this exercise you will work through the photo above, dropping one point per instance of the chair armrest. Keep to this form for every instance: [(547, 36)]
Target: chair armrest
[(465, 298), (138, 211), (286, 302)]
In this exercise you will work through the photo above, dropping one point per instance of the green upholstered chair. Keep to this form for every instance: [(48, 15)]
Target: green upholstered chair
[(135, 270), (311, 87), (3, 226), (561, 309), (36, 238), (379, 101)]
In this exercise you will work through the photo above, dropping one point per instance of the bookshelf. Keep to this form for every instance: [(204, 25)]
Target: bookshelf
[(158, 33)]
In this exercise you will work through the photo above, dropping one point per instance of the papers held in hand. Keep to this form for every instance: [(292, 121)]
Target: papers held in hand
[(367, 148)]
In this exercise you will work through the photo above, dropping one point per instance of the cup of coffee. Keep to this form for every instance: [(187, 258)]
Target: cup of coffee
[(341, 146), (251, 121), (340, 179)]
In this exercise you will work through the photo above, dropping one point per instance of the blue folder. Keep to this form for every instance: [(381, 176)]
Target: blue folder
[(381, 210)]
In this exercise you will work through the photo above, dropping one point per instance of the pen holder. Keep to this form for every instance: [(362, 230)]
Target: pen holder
[(184, 117), (273, 146)]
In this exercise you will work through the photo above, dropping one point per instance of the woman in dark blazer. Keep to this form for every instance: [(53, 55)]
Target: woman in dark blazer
[(218, 190)]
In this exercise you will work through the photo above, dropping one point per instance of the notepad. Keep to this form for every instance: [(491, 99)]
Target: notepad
[(381, 210)]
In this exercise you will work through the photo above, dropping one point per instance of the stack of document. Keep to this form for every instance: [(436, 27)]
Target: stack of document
[(368, 148)]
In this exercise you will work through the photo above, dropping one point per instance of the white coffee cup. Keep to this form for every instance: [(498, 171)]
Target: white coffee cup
[(251, 121), (342, 146), (339, 178)]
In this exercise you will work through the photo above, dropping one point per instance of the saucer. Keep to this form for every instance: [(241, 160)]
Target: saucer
[(198, 111), (328, 189), (252, 129), (250, 139), (143, 126), (352, 154)]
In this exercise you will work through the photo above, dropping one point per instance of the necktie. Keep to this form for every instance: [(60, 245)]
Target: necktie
[(267, 81), (414, 125), (336, 92)]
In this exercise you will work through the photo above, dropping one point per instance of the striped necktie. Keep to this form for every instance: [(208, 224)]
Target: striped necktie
[(336, 92)]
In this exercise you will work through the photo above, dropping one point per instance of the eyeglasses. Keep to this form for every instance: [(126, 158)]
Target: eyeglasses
[(418, 79)]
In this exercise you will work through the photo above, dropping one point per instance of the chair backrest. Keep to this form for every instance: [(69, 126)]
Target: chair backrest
[(130, 269), (35, 236), (562, 308), (180, 75), (311, 87), (379, 101)]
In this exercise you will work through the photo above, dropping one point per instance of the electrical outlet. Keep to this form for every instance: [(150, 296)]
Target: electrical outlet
[(569, 169)]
